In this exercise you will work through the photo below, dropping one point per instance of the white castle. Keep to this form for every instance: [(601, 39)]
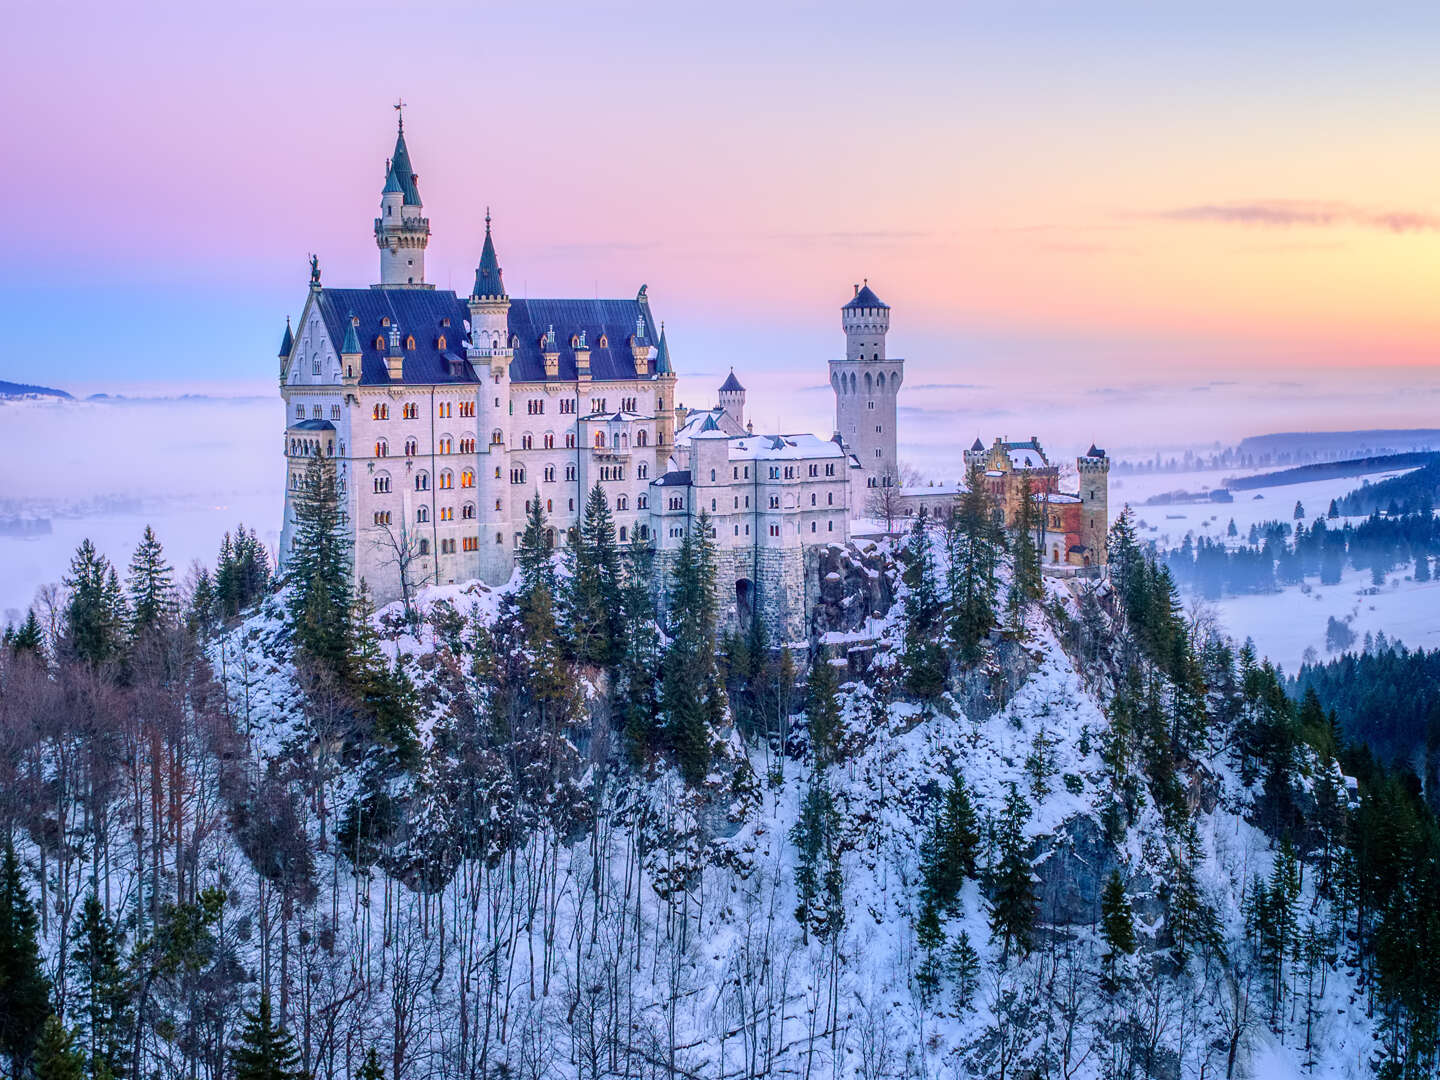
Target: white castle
[(446, 415)]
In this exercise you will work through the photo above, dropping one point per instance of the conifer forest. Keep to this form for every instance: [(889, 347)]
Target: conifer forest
[(582, 827)]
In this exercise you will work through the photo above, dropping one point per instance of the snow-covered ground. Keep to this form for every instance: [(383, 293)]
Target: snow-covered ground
[(1284, 624)]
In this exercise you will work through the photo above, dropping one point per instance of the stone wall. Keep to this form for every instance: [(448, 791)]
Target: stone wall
[(763, 582)]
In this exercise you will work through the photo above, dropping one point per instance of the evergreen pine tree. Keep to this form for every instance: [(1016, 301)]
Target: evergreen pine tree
[(94, 621), (924, 656), (1117, 926), (1334, 511), (1025, 560), (692, 698), (265, 1050), (819, 909), (1231, 530), (55, 1058), (27, 637), (201, 612), (1012, 886), (319, 570), (592, 601), (637, 680), (822, 712), (24, 990), (370, 1068), (973, 549), (1422, 567), (949, 853), (151, 586), (100, 988), (537, 568)]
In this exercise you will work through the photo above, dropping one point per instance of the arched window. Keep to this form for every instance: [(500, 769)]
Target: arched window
[(622, 503), (624, 534), (382, 448), (411, 447), (712, 476), (868, 383), (381, 483), (641, 439), (440, 344), (447, 480), (422, 514), (422, 481), (468, 511), (379, 342), (467, 479), (880, 381), (497, 437), (599, 440), (527, 441), (409, 344)]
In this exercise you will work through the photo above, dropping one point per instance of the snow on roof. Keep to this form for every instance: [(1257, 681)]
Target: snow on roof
[(783, 447), (1056, 498)]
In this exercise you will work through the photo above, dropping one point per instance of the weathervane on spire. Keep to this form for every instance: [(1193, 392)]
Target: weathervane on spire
[(400, 114)]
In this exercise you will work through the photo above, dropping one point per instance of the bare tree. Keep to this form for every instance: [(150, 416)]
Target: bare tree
[(885, 502), (398, 548)]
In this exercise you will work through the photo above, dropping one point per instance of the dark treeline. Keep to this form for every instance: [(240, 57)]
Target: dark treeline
[(1413, 493), (1279, 554), (1388, 700)]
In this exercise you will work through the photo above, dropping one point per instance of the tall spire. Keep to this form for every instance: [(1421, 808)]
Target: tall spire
[(287, 343), (401, 173), (662, 359), (487, 275)]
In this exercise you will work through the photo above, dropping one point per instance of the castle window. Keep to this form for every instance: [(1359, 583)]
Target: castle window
[(447, 513), (379, 342), (774, 530), (712, 506), (605, 344), (622, 503), (812, 527), (499, 539), (642, 502), (550, 509), (712, 476), (641, 439), (422, 514), (870, 405), (599, 440), (549, 474), (830, 499), (497, 506), (447, 480), (497, 437), (382, 449), (569, 440), (812, 498), (445, 444), (467, 408), (570, 474), (829, 526), (814, 470), (411, 446), (642, 471), (334, 412), (440, 343), (468, 511), (385, 320), (880, 381), (774, 502), (526, 441), (422, 481), (467, 478), (549, 440)]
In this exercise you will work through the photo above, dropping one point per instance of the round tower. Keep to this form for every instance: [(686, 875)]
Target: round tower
[(401, 231), (489, 353), (866, 384)]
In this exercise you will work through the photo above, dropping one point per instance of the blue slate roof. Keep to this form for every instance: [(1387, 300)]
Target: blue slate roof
[(419, 313), (287, 343), (866, 298), (662, 362), (312, 425), (487, 275), (403, 172), (352, 342), (731, 383), (675, 478)]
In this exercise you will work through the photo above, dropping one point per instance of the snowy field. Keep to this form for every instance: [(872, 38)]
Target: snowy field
[(1285, 624)]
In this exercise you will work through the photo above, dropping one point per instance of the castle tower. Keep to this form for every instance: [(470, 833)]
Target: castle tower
[(401, 233), (1094, 474), (489, 353), (866, 383), (732, 398)]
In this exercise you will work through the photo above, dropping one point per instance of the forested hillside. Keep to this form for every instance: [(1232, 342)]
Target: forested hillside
[(254, 829)]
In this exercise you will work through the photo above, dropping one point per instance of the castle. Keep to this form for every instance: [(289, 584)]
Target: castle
[(445, 416)]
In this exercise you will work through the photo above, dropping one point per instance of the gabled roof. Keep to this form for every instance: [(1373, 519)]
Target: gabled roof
[(420, 313), (487, 274), (731, 383), (287, 343), (864, 298), (709, 425), (402, 173)]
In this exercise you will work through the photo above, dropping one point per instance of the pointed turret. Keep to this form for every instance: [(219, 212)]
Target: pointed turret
[(287, 343), (662, 360), (351, 347), (732, 398), (488, 282), (401, 233)]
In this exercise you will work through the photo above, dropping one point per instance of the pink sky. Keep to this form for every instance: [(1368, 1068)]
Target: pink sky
[(1143, 191)]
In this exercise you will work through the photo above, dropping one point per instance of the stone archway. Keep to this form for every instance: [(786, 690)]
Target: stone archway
[(744, 603)]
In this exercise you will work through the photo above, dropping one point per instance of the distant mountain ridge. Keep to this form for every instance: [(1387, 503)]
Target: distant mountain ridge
[(1378, 441), (14, 389)]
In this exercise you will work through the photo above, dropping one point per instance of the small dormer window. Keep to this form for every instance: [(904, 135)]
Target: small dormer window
[(385, 321), (354, 320), (445, 321), (380, 342), (604, 342), (410, 344), (441, 343), (574, 340)]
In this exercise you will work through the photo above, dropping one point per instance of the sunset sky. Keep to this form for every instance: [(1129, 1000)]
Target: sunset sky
[(1136, 191)]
